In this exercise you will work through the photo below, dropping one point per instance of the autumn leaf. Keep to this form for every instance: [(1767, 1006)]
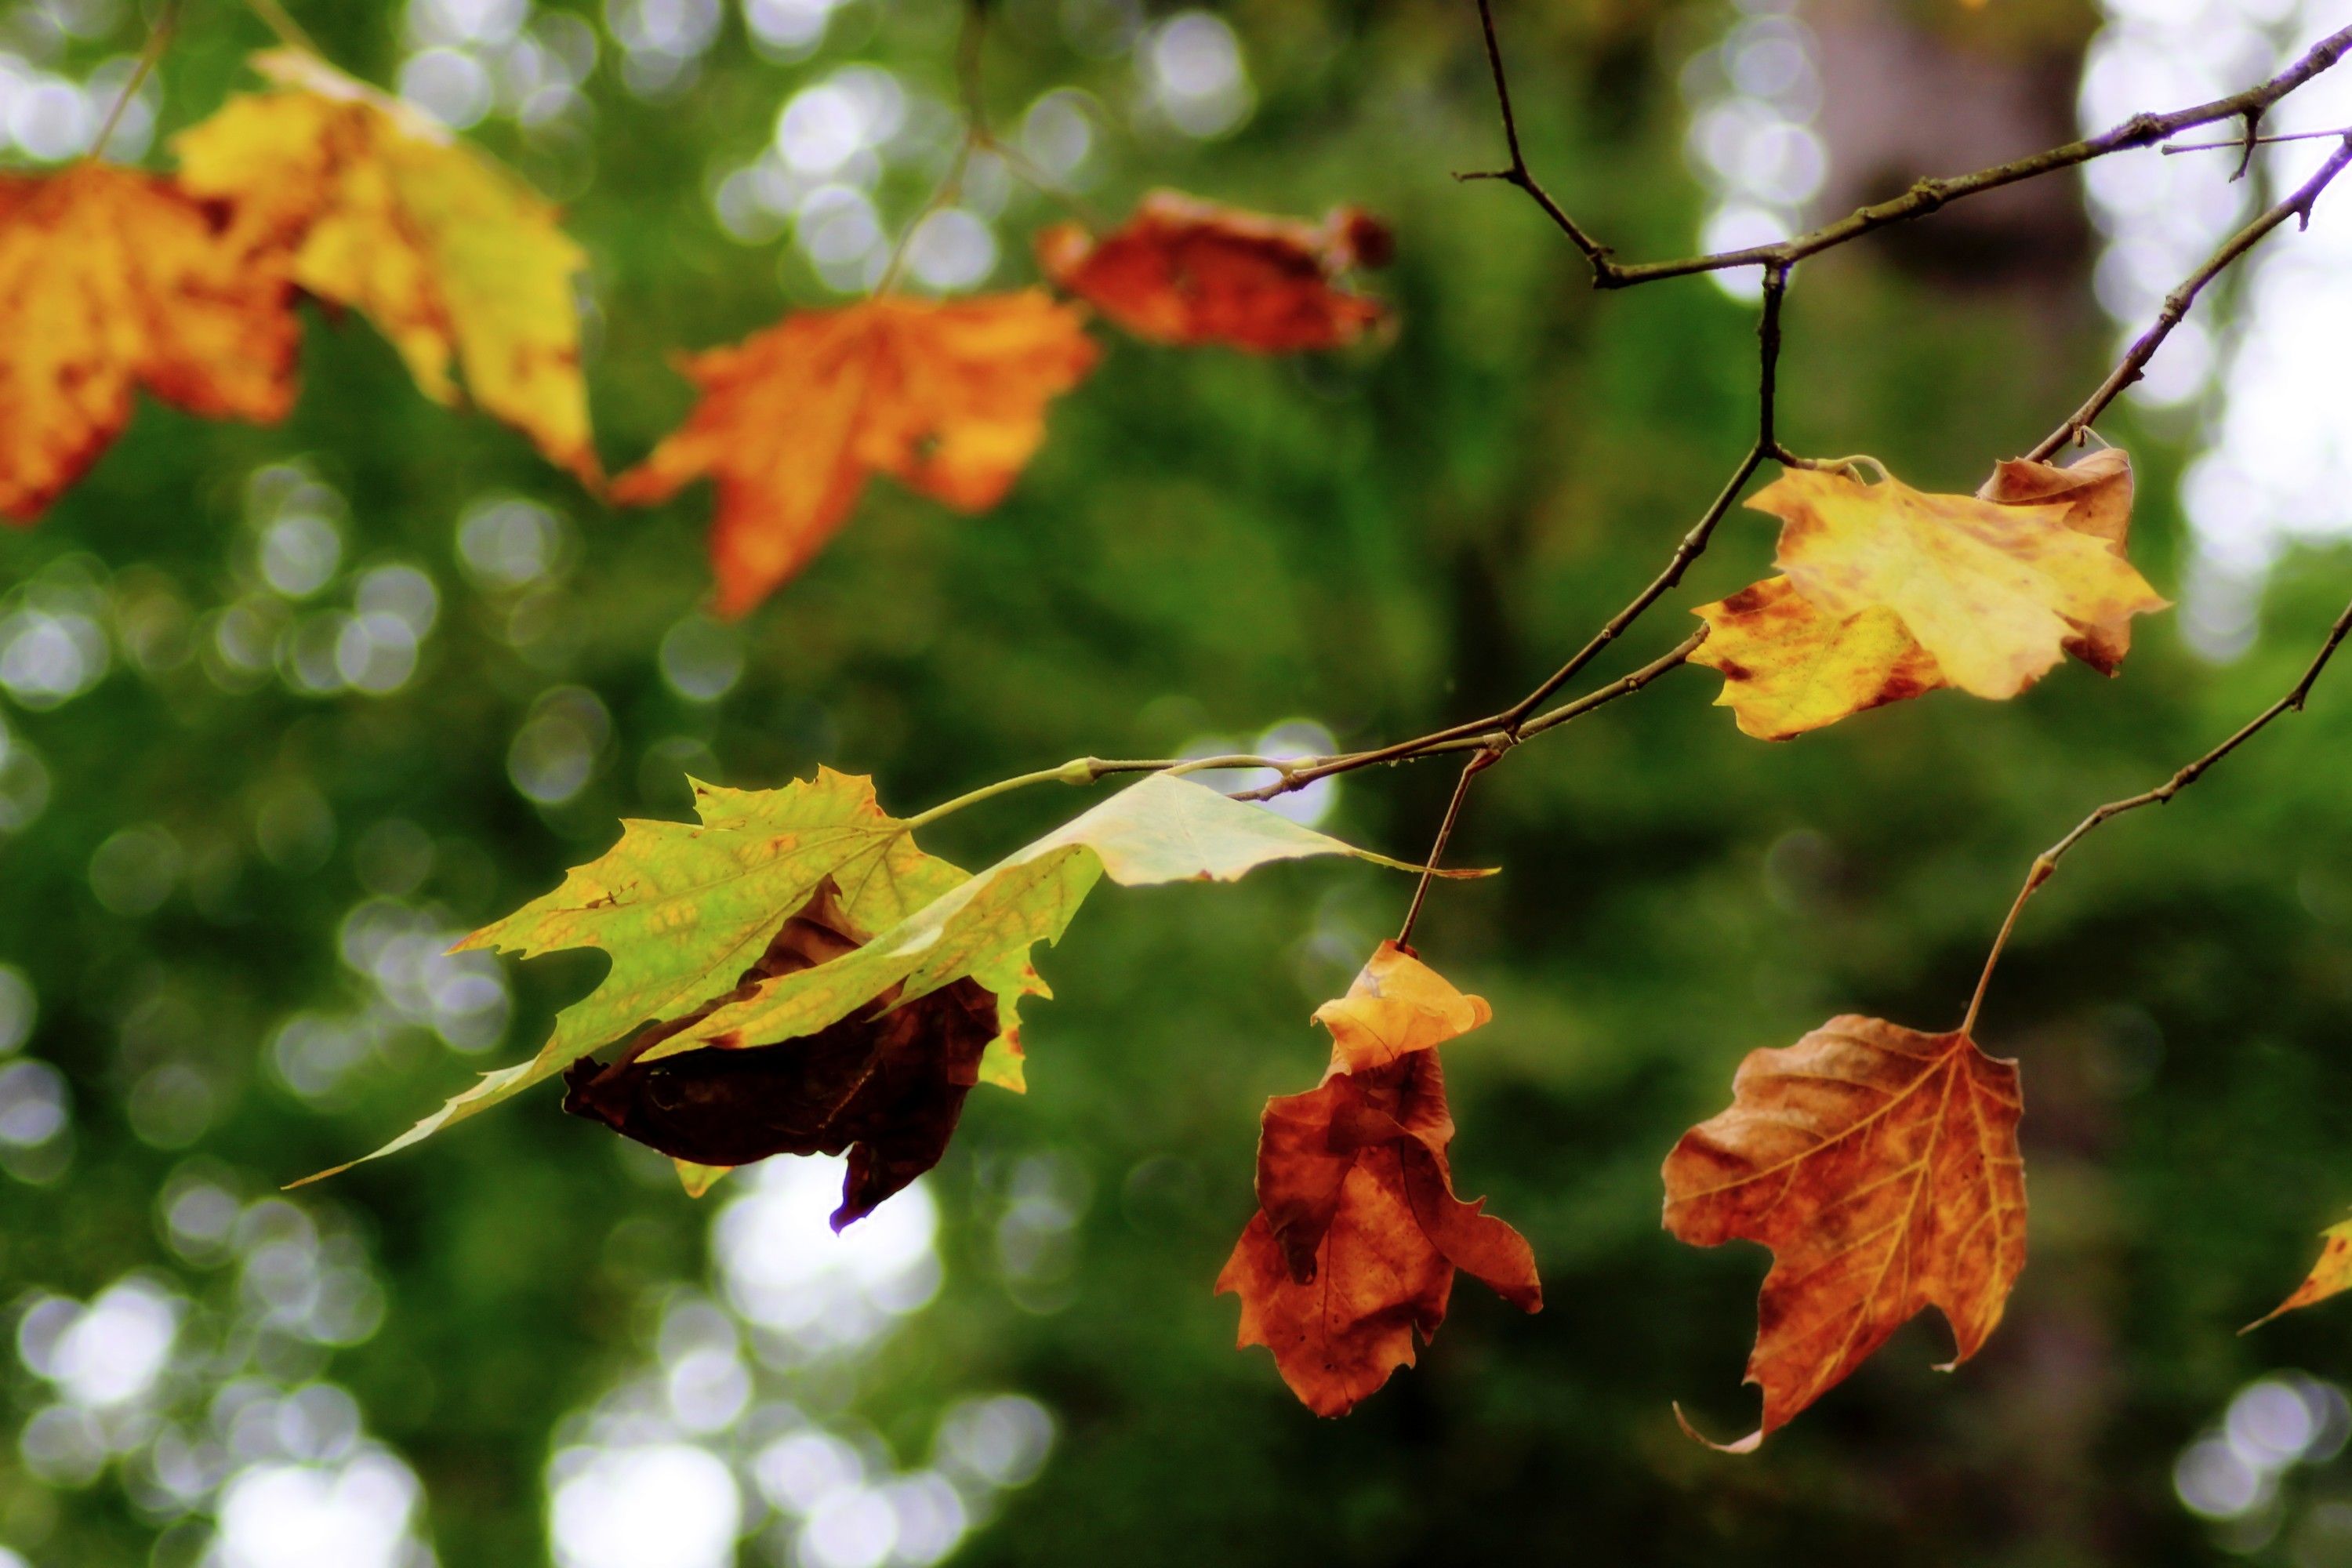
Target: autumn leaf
[(1881, 1166), (698, 920), (1358, 1234), (450, 254), (886, 1084), (686, 911), (1181, 271), (1889, 592), (2329, 1276), (111, 279), (948, 398)]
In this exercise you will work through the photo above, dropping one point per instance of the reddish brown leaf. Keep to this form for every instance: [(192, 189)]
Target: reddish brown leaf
[(887, 1084), (1880, 1165), (109, 280), (948, 399), (1357, 1233), (1185, 272)]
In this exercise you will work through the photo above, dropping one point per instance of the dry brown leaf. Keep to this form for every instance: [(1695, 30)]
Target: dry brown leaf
[(949, 399), (1357, 1233), (886, 1084), (111, 279), (1880, 1165), (1183, 270)]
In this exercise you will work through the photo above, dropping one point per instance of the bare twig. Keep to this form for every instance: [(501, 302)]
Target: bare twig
[(1767, 445), (159, 40), (1926, 196), (1517, 173), (2176, 303)]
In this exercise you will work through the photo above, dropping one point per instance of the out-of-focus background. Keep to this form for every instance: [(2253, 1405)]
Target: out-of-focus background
[(287, 710)]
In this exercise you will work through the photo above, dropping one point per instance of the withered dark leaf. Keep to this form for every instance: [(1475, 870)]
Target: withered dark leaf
[(887, 1084), (1359, 1233)]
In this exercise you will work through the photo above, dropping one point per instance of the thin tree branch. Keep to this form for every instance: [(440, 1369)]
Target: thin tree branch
[(1518, 174), (1306, 772), (1926, 196), (1767, 445), (1297, 772), (2046, 863), (2176, 303)]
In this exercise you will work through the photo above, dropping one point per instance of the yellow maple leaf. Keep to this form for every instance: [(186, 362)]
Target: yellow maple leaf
[(450, 255), (948, 398), (112, 279), (1889, 592)]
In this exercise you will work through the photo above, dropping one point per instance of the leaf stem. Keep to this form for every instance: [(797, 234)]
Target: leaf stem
[(970, 38), (159, 40), (1480, 761), (1080, 770), (2046, 863)]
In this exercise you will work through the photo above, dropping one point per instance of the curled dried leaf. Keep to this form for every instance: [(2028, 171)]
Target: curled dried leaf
[(1358, 1234), (887, 1084), (1186, 272)]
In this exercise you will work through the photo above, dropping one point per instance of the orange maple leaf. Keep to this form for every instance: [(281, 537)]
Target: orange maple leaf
[(1880, 1165), (1358, 1232), (948, 398), (1185, 272), (112, 279)]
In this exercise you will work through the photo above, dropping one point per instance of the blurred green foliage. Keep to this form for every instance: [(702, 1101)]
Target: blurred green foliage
[(1210, 544)]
